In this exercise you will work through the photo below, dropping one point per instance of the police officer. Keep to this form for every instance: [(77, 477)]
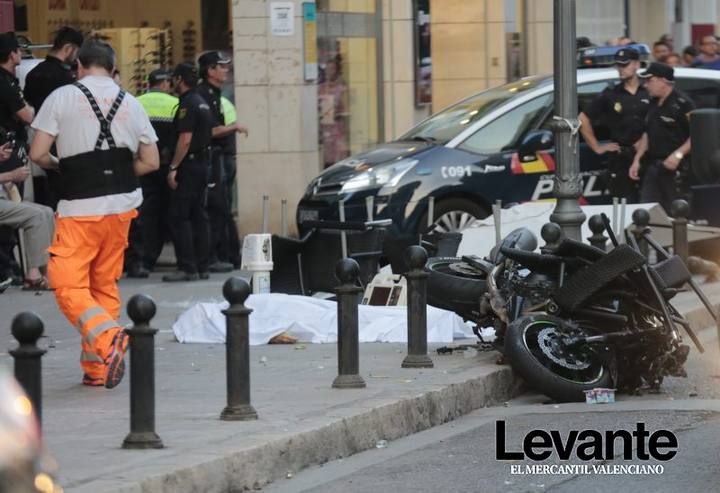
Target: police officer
[(149, 229), (620, 109), (15, 113), (187, 178), (55, 71), (662, 152), (214, 68)]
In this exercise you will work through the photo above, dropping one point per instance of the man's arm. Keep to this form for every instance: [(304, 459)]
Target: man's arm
[(182, 147), (588, 133), (40, 150), (147, 159), (641, 147), (26, 114), (225, 130), (18, 175)]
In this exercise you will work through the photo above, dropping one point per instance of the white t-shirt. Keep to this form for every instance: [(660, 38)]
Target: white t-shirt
[(67, 115)]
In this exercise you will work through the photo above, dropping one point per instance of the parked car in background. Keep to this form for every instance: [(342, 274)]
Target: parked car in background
[(492, 146)]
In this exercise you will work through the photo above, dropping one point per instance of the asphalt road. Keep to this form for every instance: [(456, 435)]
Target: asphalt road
[(461, 456)]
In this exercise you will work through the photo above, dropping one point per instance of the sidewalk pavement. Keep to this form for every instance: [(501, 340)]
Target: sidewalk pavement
[(302, 420)]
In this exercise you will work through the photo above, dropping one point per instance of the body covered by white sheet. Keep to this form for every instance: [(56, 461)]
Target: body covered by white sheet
[(312, 320)]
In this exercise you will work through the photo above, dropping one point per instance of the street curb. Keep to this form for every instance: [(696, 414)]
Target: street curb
[(258, 466)]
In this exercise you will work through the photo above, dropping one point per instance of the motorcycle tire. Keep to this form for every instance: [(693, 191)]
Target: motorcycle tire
[(543, 369), (455, 285)]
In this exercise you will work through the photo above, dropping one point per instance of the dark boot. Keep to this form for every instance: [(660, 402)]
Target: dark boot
[(180, 276)]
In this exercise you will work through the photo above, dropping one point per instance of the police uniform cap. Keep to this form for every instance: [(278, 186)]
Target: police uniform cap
[(9, 42), (159, 75), (658, 70), (626, 55), (213, 58)]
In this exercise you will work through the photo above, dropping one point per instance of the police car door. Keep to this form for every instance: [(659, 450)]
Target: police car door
[(538, 168), (494, 146)]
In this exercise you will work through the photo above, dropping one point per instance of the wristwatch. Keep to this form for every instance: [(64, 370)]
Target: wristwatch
[(174, 168), (679, 155)]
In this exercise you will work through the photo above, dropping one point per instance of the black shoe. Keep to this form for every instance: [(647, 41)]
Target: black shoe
[(5, 283), (180, 276), (220, 267), (138, 272), (204, 275), (237, 263)]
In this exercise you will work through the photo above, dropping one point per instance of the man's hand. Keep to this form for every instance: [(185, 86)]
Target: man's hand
[(241, 129), (6, 151), (171, 179), (671, 162), (609, 147), (634, 171)]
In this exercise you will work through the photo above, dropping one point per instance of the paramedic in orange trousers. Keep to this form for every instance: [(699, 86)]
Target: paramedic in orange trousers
[(104, 141)]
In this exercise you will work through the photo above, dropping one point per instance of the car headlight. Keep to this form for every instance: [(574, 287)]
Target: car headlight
[(385, 175)]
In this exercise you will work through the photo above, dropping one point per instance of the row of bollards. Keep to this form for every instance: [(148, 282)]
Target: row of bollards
[(27, 328)]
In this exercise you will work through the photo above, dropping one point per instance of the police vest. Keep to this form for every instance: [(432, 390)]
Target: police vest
[(229, 113), (99, 172), (160, 108)]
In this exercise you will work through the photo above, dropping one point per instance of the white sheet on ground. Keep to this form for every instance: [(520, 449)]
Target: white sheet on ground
[(312, 320)]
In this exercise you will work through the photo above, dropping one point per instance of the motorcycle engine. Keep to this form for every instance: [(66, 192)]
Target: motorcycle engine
[(535, 288)]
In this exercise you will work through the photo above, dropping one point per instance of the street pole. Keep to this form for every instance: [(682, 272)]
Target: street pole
[(568, 184)]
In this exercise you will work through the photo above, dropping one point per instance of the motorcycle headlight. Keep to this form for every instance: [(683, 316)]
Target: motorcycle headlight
[(385, 175)]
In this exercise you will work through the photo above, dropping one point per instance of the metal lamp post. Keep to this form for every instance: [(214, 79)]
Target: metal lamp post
[(568, 184)]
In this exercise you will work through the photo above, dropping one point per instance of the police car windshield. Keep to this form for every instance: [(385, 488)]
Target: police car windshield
[(444, 126)]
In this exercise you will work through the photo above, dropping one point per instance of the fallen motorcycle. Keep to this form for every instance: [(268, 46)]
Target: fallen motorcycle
[(574, 317)]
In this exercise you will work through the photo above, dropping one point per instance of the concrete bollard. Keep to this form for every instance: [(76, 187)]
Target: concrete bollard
[(597, 226), (641, 220), (141, 309), (27, 328), (680, 211), (347, 271), (237, 352), (417, 356)]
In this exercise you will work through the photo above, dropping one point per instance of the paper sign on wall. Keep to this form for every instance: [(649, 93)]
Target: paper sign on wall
[(282, 18)]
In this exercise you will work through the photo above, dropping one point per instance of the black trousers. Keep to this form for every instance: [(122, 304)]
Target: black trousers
[(149, 231), (189, 219), (619, 184), (224, 240), (661, 185)]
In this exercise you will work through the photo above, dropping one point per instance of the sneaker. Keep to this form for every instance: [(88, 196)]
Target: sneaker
[(93, 381), (115, 361), (5, 283), (221, 267), (180, 276)]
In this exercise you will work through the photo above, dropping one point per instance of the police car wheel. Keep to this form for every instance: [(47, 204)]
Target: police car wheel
[(454, 215)]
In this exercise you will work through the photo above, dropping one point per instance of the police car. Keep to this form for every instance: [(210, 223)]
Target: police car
[(492, 146)]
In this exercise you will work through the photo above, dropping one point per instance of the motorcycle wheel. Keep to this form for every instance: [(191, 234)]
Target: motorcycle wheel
[(536, 352), (455, 285)]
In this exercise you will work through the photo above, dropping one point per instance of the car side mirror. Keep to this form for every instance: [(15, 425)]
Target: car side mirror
[(534, 142)]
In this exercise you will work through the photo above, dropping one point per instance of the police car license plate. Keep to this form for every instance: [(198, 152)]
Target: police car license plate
[(308, 215)]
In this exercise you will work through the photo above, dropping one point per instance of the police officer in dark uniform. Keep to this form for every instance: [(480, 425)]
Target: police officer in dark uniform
[(15, 113), (621, 110), (214, 68), (187, 177), (149, 230), (662, 153)]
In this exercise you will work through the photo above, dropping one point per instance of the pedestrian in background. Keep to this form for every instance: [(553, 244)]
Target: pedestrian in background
[(660, 50), (53, 72), (150, 229), (104, 140), (188, 179), (708, 57), (621, 110), (662, 153), (214, 68)]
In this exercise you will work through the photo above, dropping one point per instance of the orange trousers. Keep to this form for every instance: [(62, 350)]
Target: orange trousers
[(86, 261)]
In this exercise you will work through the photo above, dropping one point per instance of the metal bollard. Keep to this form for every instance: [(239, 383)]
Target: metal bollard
[(680, 211), (141, 309), (597, 226), (641, 219), (347, 271), (417, 356), (27, 328), (237, 352)]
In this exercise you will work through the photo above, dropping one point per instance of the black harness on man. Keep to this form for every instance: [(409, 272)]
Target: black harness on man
[(99, 172)]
